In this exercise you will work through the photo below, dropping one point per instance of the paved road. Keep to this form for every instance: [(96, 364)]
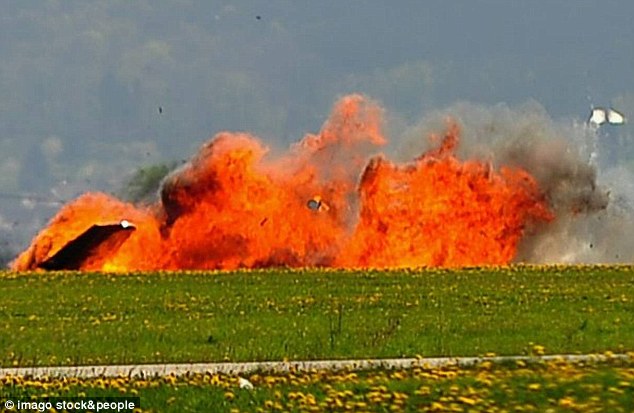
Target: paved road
[(150, 370)]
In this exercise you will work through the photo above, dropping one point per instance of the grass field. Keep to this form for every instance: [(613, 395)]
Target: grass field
[(74, 318), (555, 386)]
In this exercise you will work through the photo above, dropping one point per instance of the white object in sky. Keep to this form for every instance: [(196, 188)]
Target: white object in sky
[(615, 118), (599, 116)]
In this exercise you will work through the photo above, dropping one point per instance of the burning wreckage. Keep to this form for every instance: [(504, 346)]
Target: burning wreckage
[(236, 206), (85, 247)]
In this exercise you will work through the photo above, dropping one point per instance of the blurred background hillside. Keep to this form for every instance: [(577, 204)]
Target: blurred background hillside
[(91, 91)]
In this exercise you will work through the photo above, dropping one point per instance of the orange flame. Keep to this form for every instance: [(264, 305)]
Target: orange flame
[(320, 204)]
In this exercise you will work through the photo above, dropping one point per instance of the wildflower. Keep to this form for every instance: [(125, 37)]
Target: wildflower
[(538, 350), (566, 402), (467, 400)]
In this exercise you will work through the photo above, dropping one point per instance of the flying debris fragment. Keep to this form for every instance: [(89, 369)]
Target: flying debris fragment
[(599, 116), (317, 204)]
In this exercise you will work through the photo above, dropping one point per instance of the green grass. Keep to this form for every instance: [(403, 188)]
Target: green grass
[(75, 318), (555, 386)]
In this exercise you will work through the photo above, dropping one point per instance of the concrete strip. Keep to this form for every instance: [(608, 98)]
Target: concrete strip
[(151, 370)]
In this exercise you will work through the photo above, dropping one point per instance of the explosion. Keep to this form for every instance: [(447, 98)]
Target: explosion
[(331, 200)]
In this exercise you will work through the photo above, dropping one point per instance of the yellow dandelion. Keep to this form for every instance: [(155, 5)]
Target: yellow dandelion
[(467, 400)]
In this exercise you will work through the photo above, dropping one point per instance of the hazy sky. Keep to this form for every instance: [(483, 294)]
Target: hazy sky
[(81, 82)]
